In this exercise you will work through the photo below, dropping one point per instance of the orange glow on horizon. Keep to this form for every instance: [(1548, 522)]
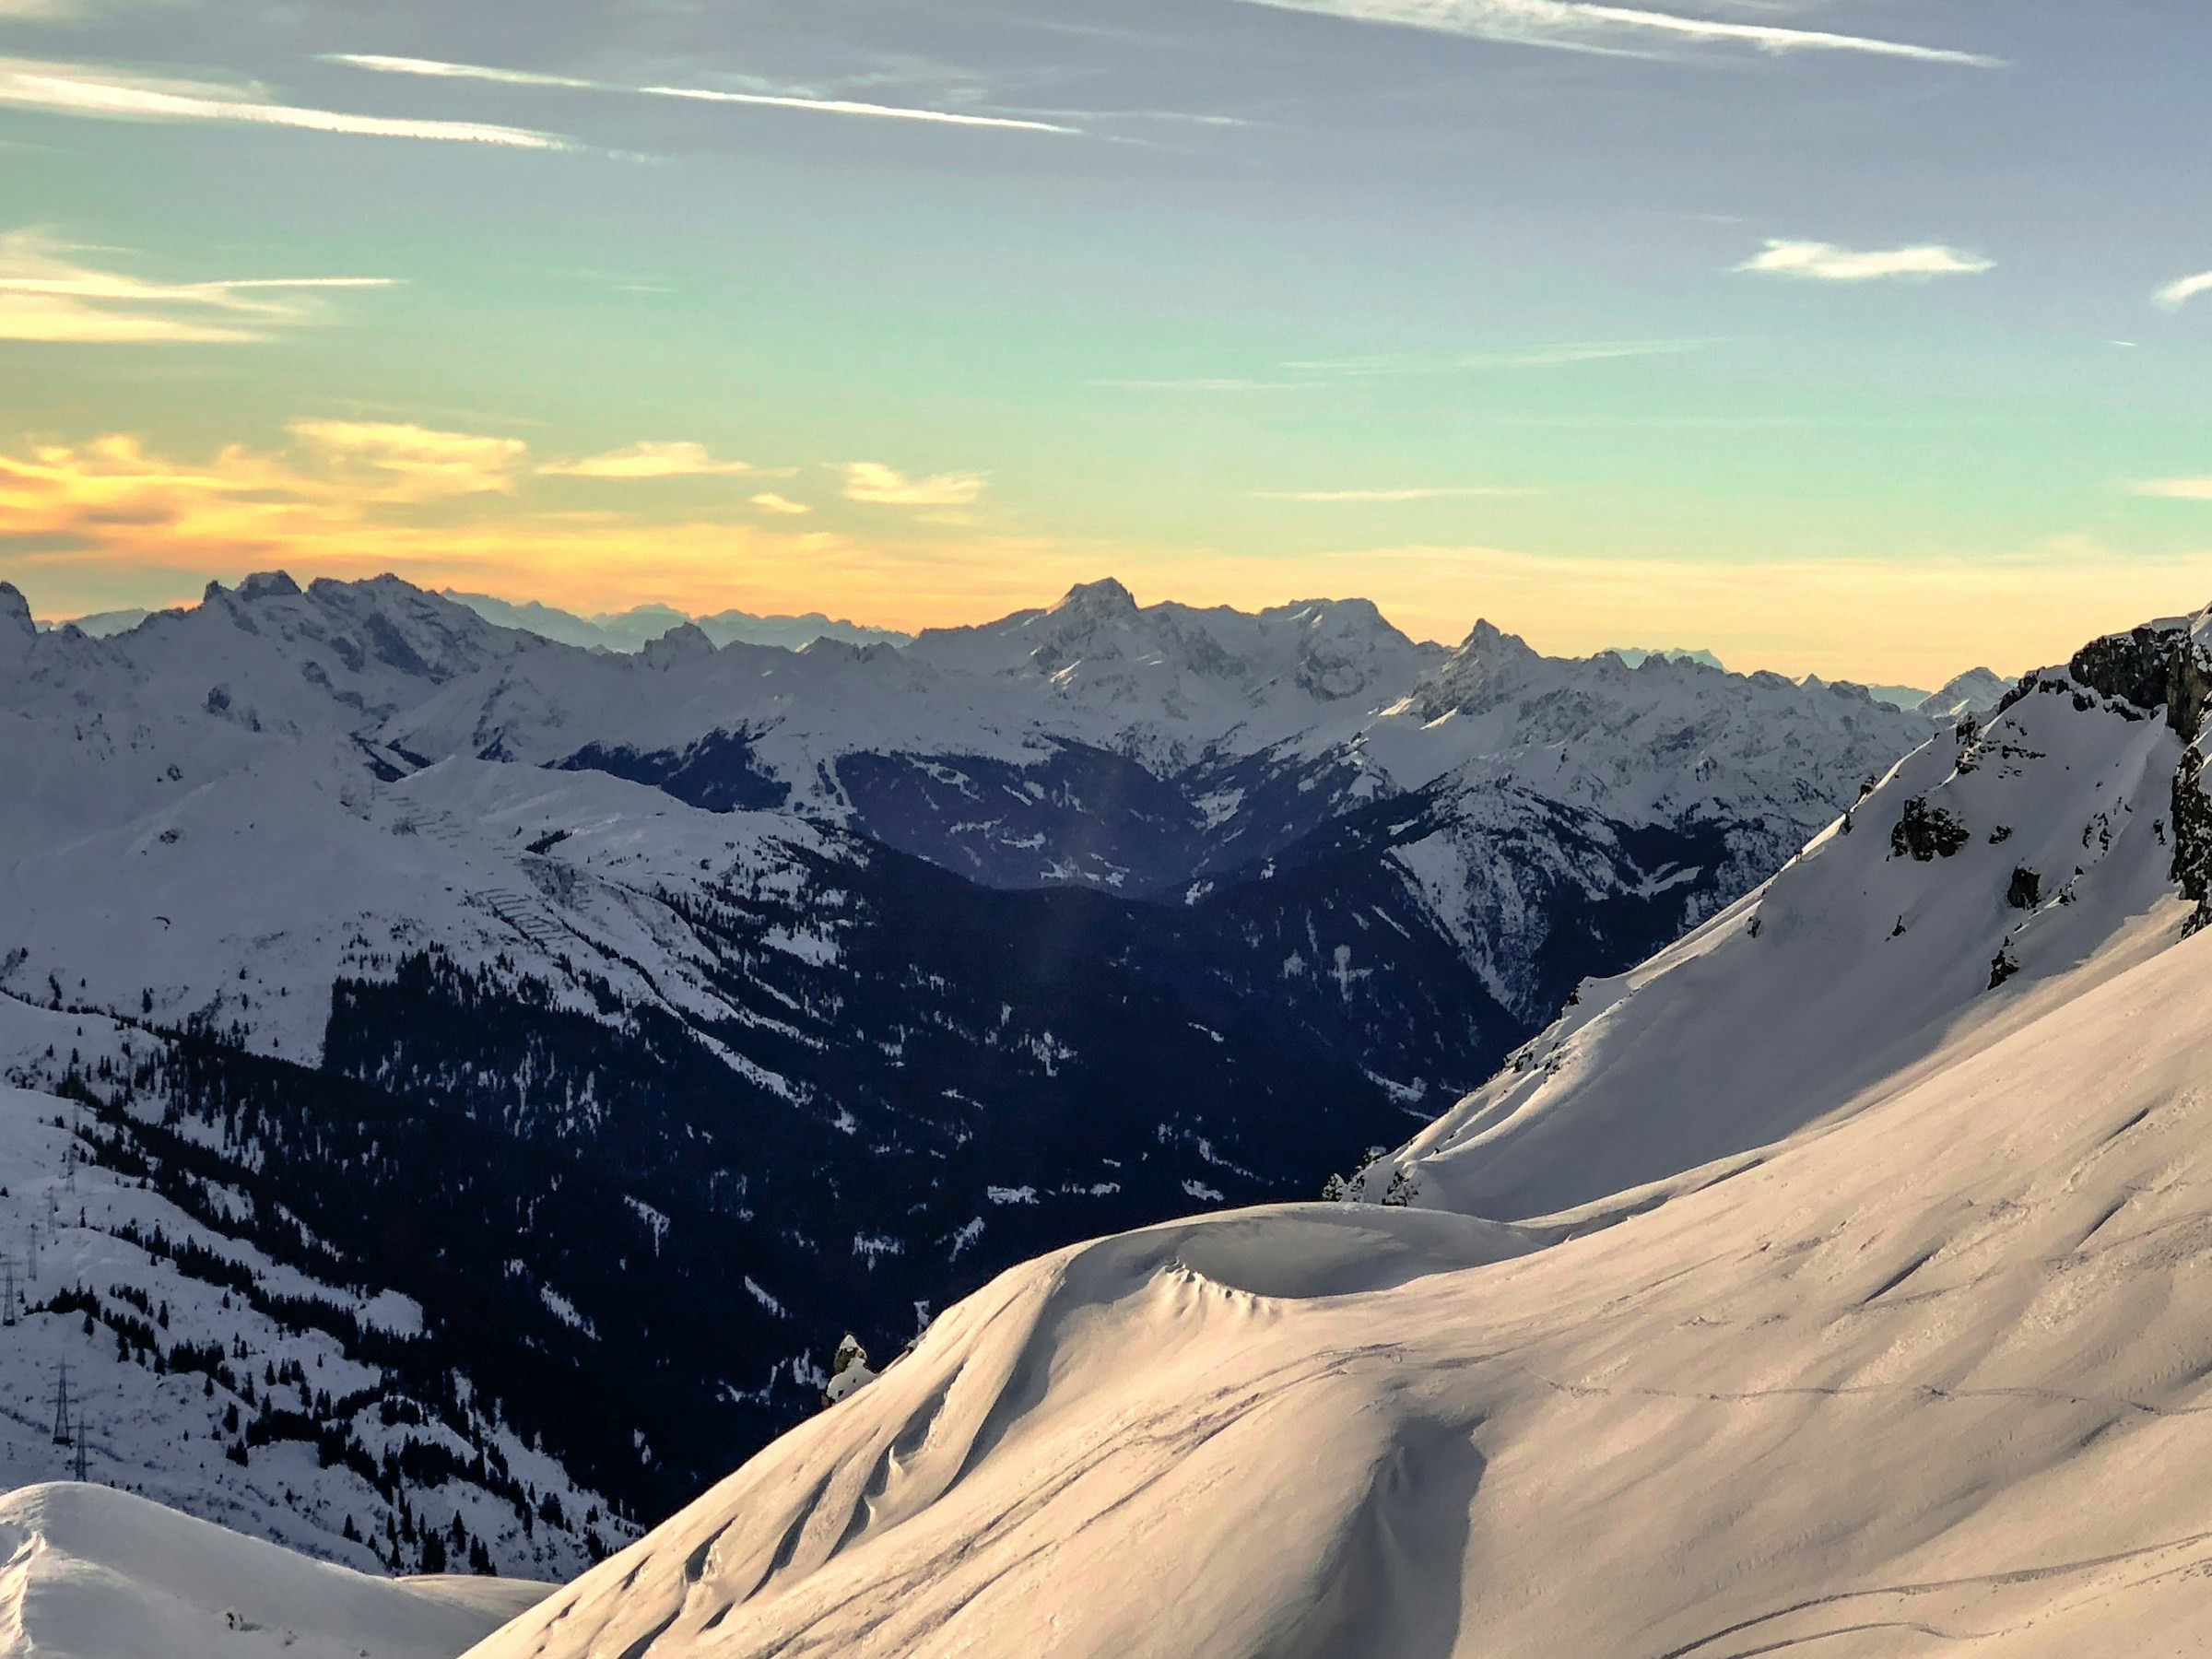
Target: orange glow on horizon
[(454, 510)]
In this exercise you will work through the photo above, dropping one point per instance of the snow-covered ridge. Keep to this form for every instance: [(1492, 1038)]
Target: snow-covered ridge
[(635, 628), (1867, 1311), (1983, 864), (93, 1573)]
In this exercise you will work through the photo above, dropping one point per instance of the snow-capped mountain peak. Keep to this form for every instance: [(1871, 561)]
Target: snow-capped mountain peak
[(1969, 693), (17, 629)]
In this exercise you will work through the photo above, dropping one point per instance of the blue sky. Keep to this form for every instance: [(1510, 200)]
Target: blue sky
[(1851, 336)]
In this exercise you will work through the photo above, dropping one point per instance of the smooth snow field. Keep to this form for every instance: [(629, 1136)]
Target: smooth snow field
[(97, 1575), (1932, 1380)]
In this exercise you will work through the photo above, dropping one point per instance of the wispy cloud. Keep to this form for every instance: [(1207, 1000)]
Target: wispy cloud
[(1421, 493), (2175, 295), (769, 501), (2174, 489), (117, 94), (845, 106), (1574, 26), (876, 485), (1311, 374), (48, 294), (1561, 355), (436, 69), (775, 100), (1824, 262), (412, 463), (1206, 383), (650, 461)]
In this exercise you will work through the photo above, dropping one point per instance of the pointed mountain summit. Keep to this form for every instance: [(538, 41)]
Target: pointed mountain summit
[(17, 630), (1970, 693), (1089, 603)]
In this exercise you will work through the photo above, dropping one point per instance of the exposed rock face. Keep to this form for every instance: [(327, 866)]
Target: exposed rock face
[(269, 584), (2150, 665), (15, 611), (1926, 832), (2193, 835), (2167, 664)]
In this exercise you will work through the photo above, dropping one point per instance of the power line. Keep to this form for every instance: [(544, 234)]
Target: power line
[(62, 1435)]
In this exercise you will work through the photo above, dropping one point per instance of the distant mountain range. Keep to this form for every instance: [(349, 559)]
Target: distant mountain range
[(635, 628), (648, 1020), (1827, 1281)]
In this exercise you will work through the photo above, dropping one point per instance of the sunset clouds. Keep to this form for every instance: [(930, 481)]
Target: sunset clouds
[(638, 461), (455, 508), (876, 485)]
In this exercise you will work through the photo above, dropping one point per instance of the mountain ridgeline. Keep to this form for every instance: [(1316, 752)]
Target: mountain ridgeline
[(1828, 1280), (652, 1020)]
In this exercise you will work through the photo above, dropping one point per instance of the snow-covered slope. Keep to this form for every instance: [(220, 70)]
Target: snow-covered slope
[(97, 1575), (204, 1374), (1919, 1369), (1983, 864)]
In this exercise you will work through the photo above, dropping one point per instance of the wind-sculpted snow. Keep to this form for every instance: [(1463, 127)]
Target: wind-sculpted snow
[(1144, 1375), (1929, 1381), (97, 1575)]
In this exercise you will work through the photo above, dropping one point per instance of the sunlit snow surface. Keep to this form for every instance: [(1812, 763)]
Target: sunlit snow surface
[(91, 1573), (1938, 1370), (1852, 963), (1861, 1303)]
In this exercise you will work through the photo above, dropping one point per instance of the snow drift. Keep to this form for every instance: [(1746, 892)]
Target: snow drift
[(96, 1574)]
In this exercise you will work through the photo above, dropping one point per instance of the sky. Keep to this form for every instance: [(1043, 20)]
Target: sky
[(1870, 339)]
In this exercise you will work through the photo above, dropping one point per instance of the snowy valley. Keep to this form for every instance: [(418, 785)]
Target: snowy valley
[(1834, 1279)]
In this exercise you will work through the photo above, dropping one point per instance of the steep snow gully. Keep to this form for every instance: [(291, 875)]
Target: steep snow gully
[(1857, 1299)]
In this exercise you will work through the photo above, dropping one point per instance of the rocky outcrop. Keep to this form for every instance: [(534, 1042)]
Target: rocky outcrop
[(2166, 664), (1926, 832), (2157, 664), (2193, 835)]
